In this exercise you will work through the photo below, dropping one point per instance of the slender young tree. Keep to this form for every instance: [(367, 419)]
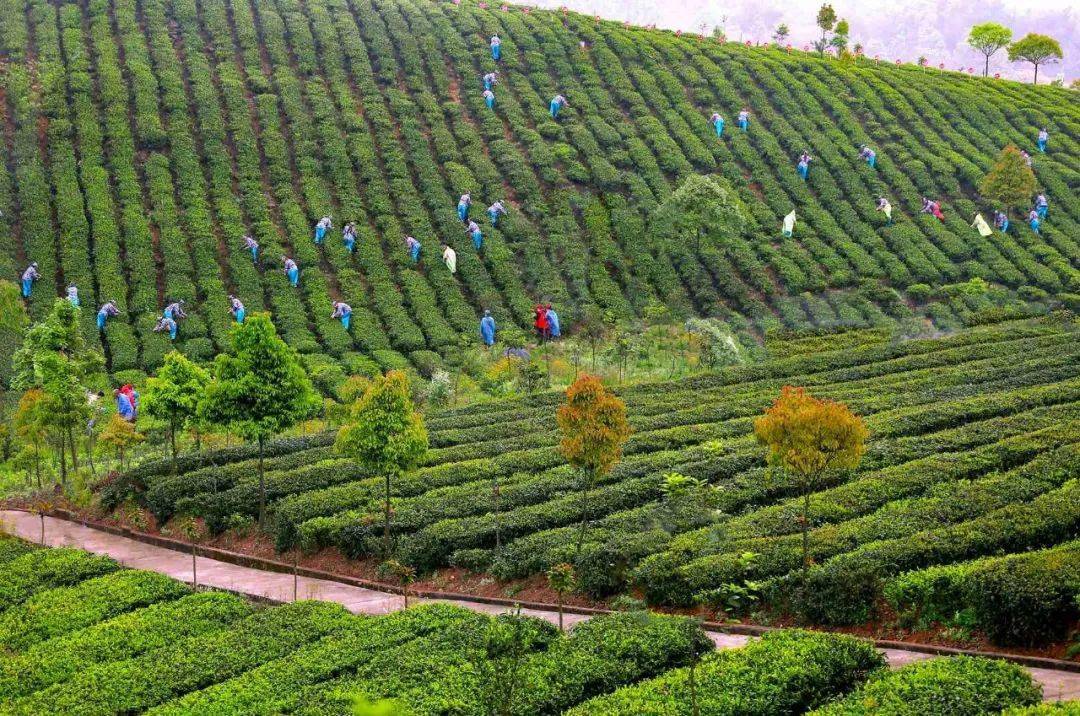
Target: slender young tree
[(809, 438), (173, 395), (258, 389), (1010, 181), (594, 427), (121, 436), (31, 427), (1037, 50), (561, 578), (386, 436), (826, 20), (987, 38)]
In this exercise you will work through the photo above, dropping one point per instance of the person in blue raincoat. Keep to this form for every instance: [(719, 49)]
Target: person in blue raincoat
[(558, 103), (253, 246), (348, 235), (869, 155), (473, 230), (124, 406), (236, 307), (325, 224), (291, 270), (496, 48), (463, 205), (108, 310), (744, 120), (495, 211), (489, 99), (1033, 220), (1041, 205), (490, 80), (166, 324), (343, 312), (414, 248), (73, 295), (1044, 137), (554, 330), (1001, 221), (804, 165), (175, 310), (28, 277), (717, 123), (487, 329)]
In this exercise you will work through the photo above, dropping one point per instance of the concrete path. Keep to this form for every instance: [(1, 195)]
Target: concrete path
[(1057, 685)]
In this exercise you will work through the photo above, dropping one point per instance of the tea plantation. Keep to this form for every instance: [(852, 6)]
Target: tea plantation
[(974, 455), (144, 140), (81, 635)]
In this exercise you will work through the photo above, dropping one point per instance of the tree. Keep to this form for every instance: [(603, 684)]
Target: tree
[(258, 389), (781, 33), (13, 320), (594, 427), (189, 528), (839, 39), (1036, 49), (988, 38), (704, 206), (403, 574), (386, 437), (826, 19), (30, 425), (54, 357), (561, 578), (808, 438), (173, 395), (121, 435), (1010, 181)]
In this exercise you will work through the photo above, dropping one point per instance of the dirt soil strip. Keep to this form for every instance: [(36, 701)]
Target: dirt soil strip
[(277, 585)]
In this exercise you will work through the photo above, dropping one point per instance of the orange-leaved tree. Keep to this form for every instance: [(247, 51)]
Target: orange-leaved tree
[(809, 437), (594, 427)]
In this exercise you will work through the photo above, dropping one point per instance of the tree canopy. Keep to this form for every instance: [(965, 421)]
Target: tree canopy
[(807, 435), (173, 395), (1010, 181), (259, 387), (1036, 49), (59, 335), (988, 38), (703, 206)]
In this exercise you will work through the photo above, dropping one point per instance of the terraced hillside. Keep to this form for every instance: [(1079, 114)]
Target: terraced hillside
[(144, 139), (974, 452)]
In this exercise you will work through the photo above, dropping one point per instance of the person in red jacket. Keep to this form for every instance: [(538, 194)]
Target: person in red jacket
[(541, 323)]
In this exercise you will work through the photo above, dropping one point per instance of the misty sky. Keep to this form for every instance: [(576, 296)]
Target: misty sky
[(898, 29)]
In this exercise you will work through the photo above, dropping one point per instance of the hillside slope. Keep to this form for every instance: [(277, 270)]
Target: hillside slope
[(145, 139)]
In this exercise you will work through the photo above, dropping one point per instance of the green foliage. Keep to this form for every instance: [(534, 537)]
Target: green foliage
[(1037, 50), (173, 394), (1010, 181), (987, 38), (259, 388), (783, 672), (952, 686)]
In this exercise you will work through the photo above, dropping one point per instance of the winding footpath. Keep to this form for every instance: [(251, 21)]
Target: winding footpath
[(279, 587)]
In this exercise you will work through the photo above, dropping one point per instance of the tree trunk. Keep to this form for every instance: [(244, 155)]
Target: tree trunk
[(194, 573), (37, 466), (74, 450), (172, 444), (498, 520), (90, 455), (42, 516), (805, 539), (584, 514), (386, 523), (559, 602), (63, 462), (262, 485), (986, 67), (693, 689), (1036, 81), (405, 593), (295, 573)]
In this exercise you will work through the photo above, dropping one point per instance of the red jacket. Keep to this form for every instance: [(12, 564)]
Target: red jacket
[(541, 319)]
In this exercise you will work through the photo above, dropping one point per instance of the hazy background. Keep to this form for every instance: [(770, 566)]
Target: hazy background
[(896, 29)]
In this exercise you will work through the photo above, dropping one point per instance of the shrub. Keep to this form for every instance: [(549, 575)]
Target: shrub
[(953, 686)]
